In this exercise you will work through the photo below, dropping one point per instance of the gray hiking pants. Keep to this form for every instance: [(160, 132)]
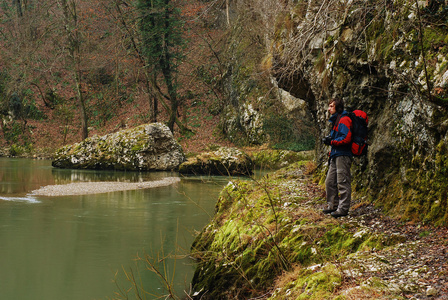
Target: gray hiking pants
[(338, 184)]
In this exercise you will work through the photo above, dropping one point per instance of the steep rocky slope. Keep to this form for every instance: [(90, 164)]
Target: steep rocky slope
[(270, 240), (388, 58)]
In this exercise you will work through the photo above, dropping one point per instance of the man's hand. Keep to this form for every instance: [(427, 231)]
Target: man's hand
[(327, 140)]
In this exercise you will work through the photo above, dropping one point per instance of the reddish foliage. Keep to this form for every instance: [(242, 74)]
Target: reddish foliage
[(106, 51)]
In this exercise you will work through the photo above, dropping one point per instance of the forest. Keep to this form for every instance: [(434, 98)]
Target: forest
[(71, 69)]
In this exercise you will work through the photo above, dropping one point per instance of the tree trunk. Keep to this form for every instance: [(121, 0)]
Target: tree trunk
[(166, 70), (71, 26), (152, 96), (19, 7), (165, 64), (82, 106)]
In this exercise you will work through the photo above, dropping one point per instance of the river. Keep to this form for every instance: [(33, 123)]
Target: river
[(80, 247)]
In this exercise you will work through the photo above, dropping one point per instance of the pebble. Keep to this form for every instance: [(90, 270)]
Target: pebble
[(430, 291)]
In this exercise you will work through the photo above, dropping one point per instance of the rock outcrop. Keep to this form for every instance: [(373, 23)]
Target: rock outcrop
[(143, 148), (386, 59), (224, 161), (377, 64)]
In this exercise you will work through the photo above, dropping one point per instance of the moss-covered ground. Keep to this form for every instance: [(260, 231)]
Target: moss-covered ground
[(269, 239)]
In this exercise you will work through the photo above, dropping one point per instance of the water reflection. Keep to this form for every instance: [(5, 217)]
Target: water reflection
[(71, 247), (62, 176)]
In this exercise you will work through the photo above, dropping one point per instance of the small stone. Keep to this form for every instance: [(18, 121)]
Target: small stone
[(430, 291), (395, 288)]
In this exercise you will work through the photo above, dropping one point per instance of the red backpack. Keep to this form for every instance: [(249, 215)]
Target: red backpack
[(359, 131)]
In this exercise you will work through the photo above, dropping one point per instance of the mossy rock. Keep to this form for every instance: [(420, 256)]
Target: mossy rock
[(143, 148), (224, 161), (276, 159)]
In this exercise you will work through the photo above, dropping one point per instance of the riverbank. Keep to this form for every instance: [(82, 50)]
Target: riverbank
[(88, 188), (270, 240)]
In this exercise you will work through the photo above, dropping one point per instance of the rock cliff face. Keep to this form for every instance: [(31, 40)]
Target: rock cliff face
[(388, 58), (144, 148)]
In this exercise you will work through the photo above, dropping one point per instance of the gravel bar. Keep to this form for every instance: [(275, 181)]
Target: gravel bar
[(86, 188)]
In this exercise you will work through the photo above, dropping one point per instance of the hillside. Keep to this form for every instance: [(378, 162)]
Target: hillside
[(388, 58), (38, 99)]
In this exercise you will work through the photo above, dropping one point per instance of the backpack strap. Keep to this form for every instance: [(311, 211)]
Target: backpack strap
[(336, 123)]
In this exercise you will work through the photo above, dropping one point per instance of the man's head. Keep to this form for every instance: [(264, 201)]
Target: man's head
[(335, 105)]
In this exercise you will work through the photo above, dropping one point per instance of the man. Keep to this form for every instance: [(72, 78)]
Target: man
[(338, 181)]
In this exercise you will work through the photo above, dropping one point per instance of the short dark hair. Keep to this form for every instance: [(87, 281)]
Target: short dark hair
[(338, 104)]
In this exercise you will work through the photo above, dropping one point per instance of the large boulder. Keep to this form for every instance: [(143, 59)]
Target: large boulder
[(224, 161), (143, 148)]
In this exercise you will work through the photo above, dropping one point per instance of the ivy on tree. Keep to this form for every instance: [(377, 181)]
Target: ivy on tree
[(162, 44)]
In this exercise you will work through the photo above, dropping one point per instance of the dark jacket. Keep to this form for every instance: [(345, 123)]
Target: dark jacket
[(341, 135)]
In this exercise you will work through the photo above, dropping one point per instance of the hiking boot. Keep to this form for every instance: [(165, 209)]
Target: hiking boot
[(328, 211), (338, 214)]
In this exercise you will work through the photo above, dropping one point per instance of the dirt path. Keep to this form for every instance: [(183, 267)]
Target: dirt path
[(415, 268)]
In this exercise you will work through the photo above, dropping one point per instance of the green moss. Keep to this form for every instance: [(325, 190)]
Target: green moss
[(275, 159), (376, 29), (137, 147), (419, 192), (321, 285), (249, 243), (338, 241), (309, 284), (433, 36)]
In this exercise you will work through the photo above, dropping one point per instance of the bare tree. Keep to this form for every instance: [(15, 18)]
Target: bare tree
[(74, 41), (128, 20), (125, 16)]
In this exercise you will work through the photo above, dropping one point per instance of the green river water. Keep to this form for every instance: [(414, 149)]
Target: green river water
[(76, 247)]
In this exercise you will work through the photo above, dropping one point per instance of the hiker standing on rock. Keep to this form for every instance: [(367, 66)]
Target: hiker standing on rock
[(338, 181)]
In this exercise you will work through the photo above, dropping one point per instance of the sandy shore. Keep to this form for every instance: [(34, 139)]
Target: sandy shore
[(86, 188)]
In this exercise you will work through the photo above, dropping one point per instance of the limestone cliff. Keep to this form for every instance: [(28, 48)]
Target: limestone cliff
[(388, 58)]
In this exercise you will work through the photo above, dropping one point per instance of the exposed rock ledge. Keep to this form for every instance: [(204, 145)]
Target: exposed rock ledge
[(224, 161), (143, 148)]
